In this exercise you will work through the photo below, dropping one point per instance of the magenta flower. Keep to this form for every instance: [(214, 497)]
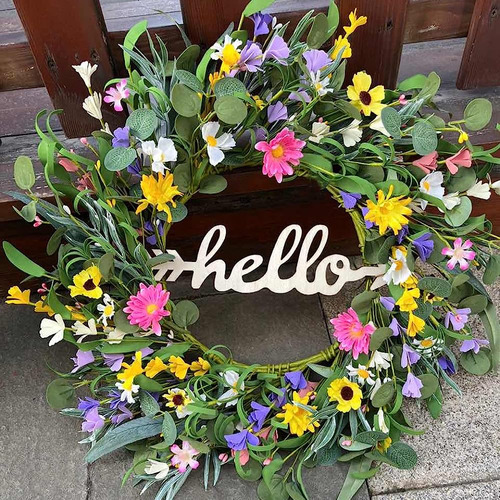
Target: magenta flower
[(280, 154), (184, 457), (461, 159), (351, 333), (473, 345), (412, 386), (457, 319), (146, 309), (460, 254), (427, 162), (116, 94), (402, 100)]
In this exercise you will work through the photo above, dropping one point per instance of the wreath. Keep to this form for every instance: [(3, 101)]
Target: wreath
[(385, 156)]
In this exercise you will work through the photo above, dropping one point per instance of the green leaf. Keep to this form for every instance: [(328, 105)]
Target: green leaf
[(462, 180), (186, 126), (492, 270), (437, 286), (177, 349), (384, 395), (459, 214), (57, 306), (28, 212), (179, 212), (490, 321), (392, 121), (478, 113), (319, 32), (352, 484), (424, 138), (131, 39), (160, 259), (123, 324), (149, 405), (379, 336), (435, 403), (120, 436), (251, 471), (187, 60), (229, 86), (182, 177), (477, 364), (270, 470), (185, 101), (354, 184), (399, 188), (189, 80), (168, 429), (60, 394), (213, 184), (106, 265), (324, 371), (22, 262), (363, 302), (413, 82), (317, 161), (148, 384), (430, 384), (402, 455), (119, 158), (24, 174), (371, 437), (230, 109), (430, 88), (275, 490), (142, 123), (476, 303), (294, 491), (333, 17), (55, 240), (256, 6), (185, 313), (125, 346)]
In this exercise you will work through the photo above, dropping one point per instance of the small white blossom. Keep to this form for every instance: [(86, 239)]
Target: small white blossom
[(83, 330), (107, 309), (319, 130), (398, 272), (351, 135), (451, 200), (320, 85), (381, 360), (363, 374), (432, 184), (92, 105), (128, 395), (480, 190), (496, 187), (231, 380), (216, 145), (52, 328), (159, 469), (378, 125), (86, 70), (381, 421)]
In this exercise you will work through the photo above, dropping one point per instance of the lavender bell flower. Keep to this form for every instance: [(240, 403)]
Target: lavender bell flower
[(473, 345), (115, 399), (396, 328), (458, 319), (277, 112), (261, 23), (447, 365), (368, 224), (350, 199), (148, 226), (412, 386), (296, 380), (251, 58), (300, 95), (408, 356), (388, 303), (83, 358), (134, 168), (316, 60), (121, 138), (239, 440), (258, 416), (145, 351), (87, 404), (402, 234), (125, 414), (113, 361), (278, 401), (278, 49), (424, 245), (93, 421)]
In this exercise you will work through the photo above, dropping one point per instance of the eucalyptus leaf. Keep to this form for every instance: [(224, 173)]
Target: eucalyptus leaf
[(392, 121), (478, 113), (230, 109), (424, 138), (459, 214), (60, 394), (142, 123), (24, 174), (185, 101), (477, 364), (213, 184), (185, 313), (119, 159)]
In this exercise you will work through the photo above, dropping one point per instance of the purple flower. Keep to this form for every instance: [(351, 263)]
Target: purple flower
[(278, 401), (316, 60), (296, 380), (409, 356), (412, 386), (258, 416), (261, 22), (300, 95), (388, 303), (447, 365), (115, 399), (125, 414), (277, 112), (424, 245), (239, 440), (473, 345), (277, 49), (134, 168), (260, 134), (402, 234), (93, 421), (396, 328), (83, 358), (350, 199), (457, 319), (113, 361), (121, 138), (250, 58), (87, 404), (368, 224), (145, 351), (148, 226)]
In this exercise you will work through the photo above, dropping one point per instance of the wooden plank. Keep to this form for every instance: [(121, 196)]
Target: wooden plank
[(376, 46), (480, 63), (80, 35)]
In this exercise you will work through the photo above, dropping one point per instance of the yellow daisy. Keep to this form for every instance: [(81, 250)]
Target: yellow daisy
[(298, 419), (366, 100), (158, 193), (86, 283), (346, 393)]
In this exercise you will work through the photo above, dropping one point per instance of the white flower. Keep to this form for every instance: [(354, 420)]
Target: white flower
[(351, 135), (86, 70), (451, 200), (107, 309), (427, 345), (92, 105), (320, 85), (83, 331), (115, 334), (216, 145), (231, 380), (128, 394), (378, 125), (362, 373), (319, 130), (432, 184), (52, 328), (381, 360), (376, 386), (219, 48), (381, 421), (67, 209), (480, 190), (164, 152), (148, 147), (160, 469), (398, 272), (107, 129), (496, 187)]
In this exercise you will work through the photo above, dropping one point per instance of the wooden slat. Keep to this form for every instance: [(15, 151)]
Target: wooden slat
[(480, 62), (376, 46), (80, 35)]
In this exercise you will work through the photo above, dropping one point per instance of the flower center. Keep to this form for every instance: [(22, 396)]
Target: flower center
[(363, 373), (427, 343), (230, 55), (89, 285), (318, 86), (278, 151), (365, 97), (427, 186), (211, 141), (152, 308), (108, 310), (178, 400), (458, 253), (399, 265), (347, 393)]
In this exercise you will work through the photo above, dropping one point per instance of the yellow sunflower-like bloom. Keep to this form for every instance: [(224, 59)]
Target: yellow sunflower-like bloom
[(407, 301), (366, 100), (346, 393), (178, 367), (339, 44), (230, 56), (298, 419), (17, 296), (178, 399), (86, 283), (154, 367), (158, 193), (415, 325), (388, 212), (131, 371), (200, 367), (355, 21)]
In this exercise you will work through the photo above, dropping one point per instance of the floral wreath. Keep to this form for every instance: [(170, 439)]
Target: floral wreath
[(381, 154)]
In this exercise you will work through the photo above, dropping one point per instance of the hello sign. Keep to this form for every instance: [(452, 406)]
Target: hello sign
[(204, 266)]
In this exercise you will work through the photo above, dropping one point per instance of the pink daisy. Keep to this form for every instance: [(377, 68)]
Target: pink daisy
[(461, 159), (351, 333), (116, 94), (146, 309), (460, 254), (280, 154), (184, 457)]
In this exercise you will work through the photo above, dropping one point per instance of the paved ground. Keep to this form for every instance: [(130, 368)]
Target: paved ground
[(41, 460)]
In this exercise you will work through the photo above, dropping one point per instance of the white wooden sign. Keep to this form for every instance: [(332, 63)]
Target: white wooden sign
[(204, 265)]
